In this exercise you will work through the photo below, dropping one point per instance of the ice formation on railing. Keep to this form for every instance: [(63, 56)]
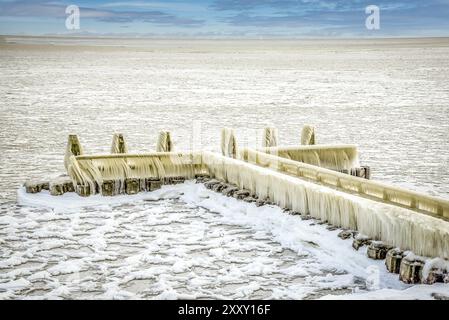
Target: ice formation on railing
[(334, 157), (92, 171), (73, 148), (228, 143), (270, 137), (368, 188), (164, 142), (399, 217), (407, 229), (308, 135), (119, 144)]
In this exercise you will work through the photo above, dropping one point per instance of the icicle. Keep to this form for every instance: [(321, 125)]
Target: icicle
[(395, 225), (333, 157), (380, 191), (270, 138), (93, 170), (308, 135), (381, 220), (84, 173), (119, 144), (73, 149), (228, 143), (164, 143)]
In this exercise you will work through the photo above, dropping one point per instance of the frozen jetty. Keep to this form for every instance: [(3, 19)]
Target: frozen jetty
[(321, 181)]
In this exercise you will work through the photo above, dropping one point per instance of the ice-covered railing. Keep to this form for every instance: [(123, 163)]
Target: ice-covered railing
[(339, 157), (423, 234), (334, 157), (377, 190), (90, 172)]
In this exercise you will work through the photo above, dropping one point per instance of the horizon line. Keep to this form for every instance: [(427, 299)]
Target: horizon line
[(166, 37)]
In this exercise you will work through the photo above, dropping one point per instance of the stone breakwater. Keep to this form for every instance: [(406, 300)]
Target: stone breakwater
[(63, 184), (411, 269)]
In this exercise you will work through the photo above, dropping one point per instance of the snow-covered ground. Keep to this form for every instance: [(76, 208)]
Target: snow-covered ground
[(182, 241)]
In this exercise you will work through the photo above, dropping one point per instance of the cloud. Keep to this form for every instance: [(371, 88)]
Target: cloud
[(310, 5), (334, 17), (238, 5), (57, 10), (245, 17), (300, 5)]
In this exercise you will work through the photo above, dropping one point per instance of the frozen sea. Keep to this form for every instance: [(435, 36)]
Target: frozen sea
[(391, 97)]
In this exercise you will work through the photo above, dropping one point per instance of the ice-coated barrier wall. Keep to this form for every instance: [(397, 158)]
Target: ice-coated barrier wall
[(92, 171), (338, 198), (397, 226), (376, 190)]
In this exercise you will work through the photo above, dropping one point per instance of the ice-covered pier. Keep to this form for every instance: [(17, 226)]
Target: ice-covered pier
[(321, 181)]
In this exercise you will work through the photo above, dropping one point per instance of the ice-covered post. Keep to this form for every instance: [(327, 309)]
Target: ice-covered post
[(73, 149), (270, 137), (118, 144), (308, 135), (164, 143), (228, 143)]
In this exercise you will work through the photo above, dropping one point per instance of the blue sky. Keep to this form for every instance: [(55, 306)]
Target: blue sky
[(228, 18)]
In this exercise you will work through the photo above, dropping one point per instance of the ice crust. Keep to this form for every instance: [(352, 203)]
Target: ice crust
[(180, 242)]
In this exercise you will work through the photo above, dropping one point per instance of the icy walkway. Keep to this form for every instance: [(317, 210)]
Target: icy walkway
[(182, 241)]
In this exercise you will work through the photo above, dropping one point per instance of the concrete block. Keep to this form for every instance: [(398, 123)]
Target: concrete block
[(393, 260), (229, 190), (174, 180), (153, 184), (410, 271), (219, 186), (132, 186), (56, 189), (360, 242), (435, 275), (241, 194), (378, 250), (83, 190), (211, 183), (110, 188), (345, 234), (36, 186)]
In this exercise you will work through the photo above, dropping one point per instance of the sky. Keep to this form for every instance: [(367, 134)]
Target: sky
[(227, 18)]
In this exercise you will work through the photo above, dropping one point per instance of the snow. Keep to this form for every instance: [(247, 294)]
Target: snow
[(182, 241), (421, 292)]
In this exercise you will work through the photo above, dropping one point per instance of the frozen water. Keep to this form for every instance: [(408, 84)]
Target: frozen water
[(192, 243), (390, 97)]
